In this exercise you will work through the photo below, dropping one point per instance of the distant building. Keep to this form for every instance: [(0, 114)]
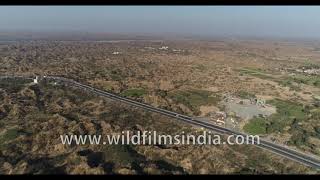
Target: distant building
[(164, 48), (116, 52), (148, 47), (218, 117), (258, 102)]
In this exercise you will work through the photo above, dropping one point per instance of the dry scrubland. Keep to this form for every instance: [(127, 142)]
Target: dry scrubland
[(191, 77)]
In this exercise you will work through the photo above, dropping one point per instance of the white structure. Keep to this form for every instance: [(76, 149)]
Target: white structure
[(164, 48), (116, 52), (220, 121), (35, 81), (148, 47)]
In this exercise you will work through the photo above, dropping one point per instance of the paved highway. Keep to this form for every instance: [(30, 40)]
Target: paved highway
[(275, 148)]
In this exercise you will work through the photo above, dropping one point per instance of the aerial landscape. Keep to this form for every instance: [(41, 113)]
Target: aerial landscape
[(57, 83)]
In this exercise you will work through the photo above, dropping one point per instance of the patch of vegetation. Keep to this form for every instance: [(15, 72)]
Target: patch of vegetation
[(161, 93), (37, 116), (116, 75), (291, 117), (289, 108), (123, 154), (309, 65), (13, 85), (299, 138), (256, 126), (104, 86), (256, 73), (287, 112), (9, 135), (289, 83), (308, 80), (60, 91), (135, 92), (72, 116), (315, 113), (257, 160), (107, 87), (193, 99)]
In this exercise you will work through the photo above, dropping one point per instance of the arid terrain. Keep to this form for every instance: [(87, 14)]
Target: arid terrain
[(266, 87)]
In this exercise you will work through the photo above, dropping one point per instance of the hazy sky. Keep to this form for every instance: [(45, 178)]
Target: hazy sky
[(284, 21)]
